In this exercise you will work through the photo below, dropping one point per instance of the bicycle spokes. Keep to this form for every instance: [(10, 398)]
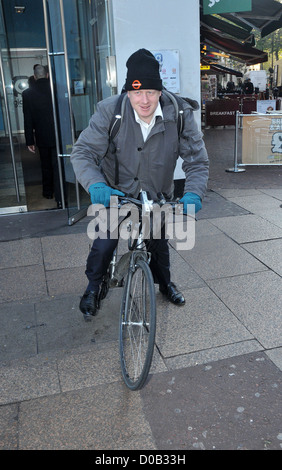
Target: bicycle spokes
[(137, 332)]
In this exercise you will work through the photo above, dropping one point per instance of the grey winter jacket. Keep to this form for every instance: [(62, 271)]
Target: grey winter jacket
[(148, 165)]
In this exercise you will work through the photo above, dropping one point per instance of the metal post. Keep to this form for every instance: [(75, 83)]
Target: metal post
[(10, 132), (236, 169), (49, 54)]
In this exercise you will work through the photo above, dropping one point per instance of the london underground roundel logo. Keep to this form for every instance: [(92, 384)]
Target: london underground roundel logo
[(136, 85)]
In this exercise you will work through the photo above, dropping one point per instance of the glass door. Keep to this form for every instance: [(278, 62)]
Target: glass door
[(12, 189), (79, 48)]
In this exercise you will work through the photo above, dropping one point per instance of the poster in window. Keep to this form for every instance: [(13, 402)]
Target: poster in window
[(262, 140), (169, 69), (78, 88)]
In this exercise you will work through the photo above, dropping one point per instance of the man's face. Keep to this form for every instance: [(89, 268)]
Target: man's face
[(144, 102)]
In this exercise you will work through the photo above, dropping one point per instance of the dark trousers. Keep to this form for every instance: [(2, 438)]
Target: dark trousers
[(50, 172), (101, 254)]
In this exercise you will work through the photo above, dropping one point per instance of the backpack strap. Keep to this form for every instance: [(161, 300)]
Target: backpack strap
[(114, 129), (179, 109), (178, 105), (117, 118)]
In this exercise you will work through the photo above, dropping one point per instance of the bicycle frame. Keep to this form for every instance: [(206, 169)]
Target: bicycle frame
[(137, 326)]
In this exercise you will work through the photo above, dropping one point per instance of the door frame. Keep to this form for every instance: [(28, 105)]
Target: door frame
[(21, 207), (80, 212)]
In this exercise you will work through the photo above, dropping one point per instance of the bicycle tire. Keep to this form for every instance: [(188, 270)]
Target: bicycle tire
[(137, 326)]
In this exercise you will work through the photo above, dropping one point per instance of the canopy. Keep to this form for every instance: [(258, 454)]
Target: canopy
[(233, 32), (221, 69), (240, 51), (266, 16), (241, 31)]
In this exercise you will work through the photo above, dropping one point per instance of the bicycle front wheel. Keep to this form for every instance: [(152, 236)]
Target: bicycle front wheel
[(137, 326)]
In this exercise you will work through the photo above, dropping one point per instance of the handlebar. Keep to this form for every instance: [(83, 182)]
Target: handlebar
[(146, 203)]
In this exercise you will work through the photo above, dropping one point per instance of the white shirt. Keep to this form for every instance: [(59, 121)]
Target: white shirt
[(145, 127)]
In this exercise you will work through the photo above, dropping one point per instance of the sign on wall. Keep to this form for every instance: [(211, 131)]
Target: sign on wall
[(226, 6), (169, 69), (262, 140), (264, 106)]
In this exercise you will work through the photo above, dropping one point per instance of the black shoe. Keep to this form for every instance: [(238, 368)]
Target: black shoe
[(89, 304), (48, 196), (172, 294)]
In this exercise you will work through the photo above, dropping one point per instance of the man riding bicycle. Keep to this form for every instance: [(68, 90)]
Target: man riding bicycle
[(146, 149)]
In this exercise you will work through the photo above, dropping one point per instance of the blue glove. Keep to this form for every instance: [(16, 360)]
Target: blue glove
[(191, 198), (100, 193)]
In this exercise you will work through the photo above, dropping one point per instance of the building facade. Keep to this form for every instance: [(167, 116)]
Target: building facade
[(85, 45)]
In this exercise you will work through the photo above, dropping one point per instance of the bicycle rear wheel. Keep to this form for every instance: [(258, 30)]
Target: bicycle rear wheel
[(137, 326)]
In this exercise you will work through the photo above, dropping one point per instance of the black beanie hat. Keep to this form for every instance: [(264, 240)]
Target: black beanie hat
[(143, 72)]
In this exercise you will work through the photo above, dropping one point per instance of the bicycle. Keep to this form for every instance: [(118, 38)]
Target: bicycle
[(137, 322)]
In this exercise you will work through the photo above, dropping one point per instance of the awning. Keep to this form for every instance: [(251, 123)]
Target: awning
[(241, 32), (221, 69), (233, 32), (266, 16), (240, 51)]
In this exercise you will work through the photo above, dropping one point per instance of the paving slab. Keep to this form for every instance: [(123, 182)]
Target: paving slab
[(216, 256), (203, 322), (98, 366), (268, 252), (231, 404), (23, 282), (25, 252), (253, 201), (28, 379), (214, 205), (251, 298), (229, 193), (247, 228), (273, 216), (65, 251), (39, 224), (220, 143), (66, 281), (61, 325), (9, 427), (17, 330), (276, 356), (105, 417), (258, 204), (274, 192), (213, 354), (182, 274)]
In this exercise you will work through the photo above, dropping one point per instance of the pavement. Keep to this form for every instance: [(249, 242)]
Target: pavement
[(216, 380)]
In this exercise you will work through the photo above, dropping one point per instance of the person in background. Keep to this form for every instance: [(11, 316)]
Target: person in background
[(275, 92), (39, 131), (230, 87), (248, 87)]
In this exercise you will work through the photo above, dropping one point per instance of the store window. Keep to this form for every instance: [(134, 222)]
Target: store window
[(74, 38)]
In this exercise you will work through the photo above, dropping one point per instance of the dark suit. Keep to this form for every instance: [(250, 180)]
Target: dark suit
[(248, 88), (40, 131)]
